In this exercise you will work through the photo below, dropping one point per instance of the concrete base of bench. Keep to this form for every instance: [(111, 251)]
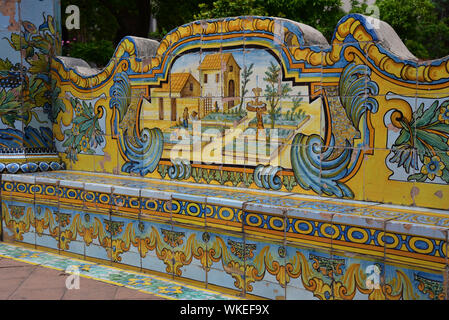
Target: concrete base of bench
[(252, 244)]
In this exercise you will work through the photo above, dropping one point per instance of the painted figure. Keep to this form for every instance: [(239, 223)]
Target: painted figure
[(185, 118)]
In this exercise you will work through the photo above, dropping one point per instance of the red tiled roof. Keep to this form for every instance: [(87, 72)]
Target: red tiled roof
[(177, 82), (214, 61)]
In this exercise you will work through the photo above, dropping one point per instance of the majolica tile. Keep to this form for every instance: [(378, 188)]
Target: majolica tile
[(152, 249), (11, 20), (69, 227), (332, 222), (99, 253), (428, 74), (278, 31), (156, 206), (75, 248), (82, 131), (415, 244), (18, 222), (401, 158), (227, 215), (11, 82), (227, 261), (385, 194), (368, 282), (190, 243), (218, 75), (311, 273), (430, 177), (407, 283), (268, 280), (124, 250), (125, 201), (358, 234), (97, 197), (224, 201), (273, 223), (47, 241), (103, 161), (293, 149), (188, 212), (47, 226)]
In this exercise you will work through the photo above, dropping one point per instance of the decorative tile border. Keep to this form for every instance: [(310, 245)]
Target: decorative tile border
[(71, 185), (28, 166), (294, 219), (176, 233)]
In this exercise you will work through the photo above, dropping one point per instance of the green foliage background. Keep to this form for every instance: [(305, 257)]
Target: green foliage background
[(423, 25)]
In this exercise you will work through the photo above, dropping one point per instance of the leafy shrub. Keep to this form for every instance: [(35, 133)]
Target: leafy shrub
[(97, 52)]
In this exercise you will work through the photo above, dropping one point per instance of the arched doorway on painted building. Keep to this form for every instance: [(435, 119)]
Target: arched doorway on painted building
[(231, 93)]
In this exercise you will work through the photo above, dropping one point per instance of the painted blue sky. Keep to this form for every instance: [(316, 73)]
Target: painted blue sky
[(260, 58)]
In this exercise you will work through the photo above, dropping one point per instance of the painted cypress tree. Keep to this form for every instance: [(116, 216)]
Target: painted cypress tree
[(275, 90)]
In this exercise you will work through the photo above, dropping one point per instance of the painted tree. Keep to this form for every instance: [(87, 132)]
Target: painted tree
[(230, 8), (275, 90), (422, 25), (103, 23), (246, 74), (297, 112), (321, 14)]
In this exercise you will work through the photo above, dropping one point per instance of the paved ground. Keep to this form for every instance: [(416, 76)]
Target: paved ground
[(23, 281), (34, 274)]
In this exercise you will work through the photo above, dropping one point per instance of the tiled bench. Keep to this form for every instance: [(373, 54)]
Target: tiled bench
[(248, 243)]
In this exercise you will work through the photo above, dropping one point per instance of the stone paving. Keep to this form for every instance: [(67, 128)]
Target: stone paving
[(23, 281), (27, 274)]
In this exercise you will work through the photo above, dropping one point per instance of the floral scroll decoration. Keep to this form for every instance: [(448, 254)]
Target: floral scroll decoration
[(423, 142), (85, 134), (142, 149), (26, 91), (320, 165), (266, 177), (335, 277), (30, 87)]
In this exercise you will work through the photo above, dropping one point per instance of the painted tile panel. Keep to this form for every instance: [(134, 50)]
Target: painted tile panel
[(282, 129)]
